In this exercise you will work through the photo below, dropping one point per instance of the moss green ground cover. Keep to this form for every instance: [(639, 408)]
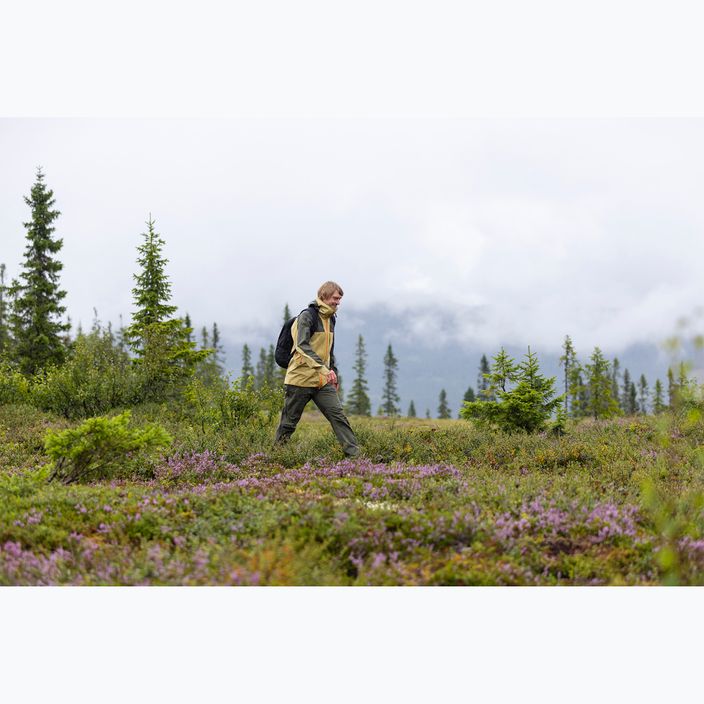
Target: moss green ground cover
[(429, 503)]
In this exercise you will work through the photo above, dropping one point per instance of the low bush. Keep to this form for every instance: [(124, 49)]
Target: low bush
[(98, 376), (102, 447), (14, 387)]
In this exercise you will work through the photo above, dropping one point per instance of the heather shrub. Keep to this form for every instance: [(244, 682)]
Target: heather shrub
[(98, 377), (103, 447)]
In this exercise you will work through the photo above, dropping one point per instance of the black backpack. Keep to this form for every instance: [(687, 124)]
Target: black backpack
[(284, 345)]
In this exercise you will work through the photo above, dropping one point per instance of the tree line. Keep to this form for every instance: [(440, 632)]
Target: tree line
[(34, 339)]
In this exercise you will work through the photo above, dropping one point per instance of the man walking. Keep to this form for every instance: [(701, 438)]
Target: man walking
[(312, 374)]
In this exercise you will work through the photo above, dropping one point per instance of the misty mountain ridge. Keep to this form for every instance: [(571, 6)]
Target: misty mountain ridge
[(431, 358)]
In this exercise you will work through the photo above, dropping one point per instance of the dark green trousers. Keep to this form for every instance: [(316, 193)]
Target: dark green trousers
[(327, 400)]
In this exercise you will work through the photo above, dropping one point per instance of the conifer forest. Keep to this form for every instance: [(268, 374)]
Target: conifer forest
[(129, 455)]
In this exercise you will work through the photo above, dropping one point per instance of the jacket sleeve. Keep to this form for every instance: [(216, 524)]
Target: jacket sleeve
[(303, 346)]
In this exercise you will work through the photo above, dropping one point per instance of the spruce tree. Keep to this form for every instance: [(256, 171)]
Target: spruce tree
[(578, 391), (358, 403), (287, 313), (427, 413), (210, 369), (601, 403), (658, 403), (567, 361), (643, 394), (411, 410), (469, 397), (162, 343), (483, 391), (121, 336), (616, 379), (36, 327), (502, 372), (524, 397), (625, 399), (443, 409), (632, 400), (219, 354), (187, 322), (247, 368), (260, 373), (4, 312), (389, 396)]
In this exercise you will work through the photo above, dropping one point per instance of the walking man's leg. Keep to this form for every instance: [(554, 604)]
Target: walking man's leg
[(295, 400), (327, 400)]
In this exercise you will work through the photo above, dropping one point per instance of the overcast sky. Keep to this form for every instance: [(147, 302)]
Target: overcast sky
[(520, 230)]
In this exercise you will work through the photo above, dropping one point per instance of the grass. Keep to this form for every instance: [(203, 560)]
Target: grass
[(429, 503)]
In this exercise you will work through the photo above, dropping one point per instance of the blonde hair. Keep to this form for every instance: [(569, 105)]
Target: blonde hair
[(328, 288)]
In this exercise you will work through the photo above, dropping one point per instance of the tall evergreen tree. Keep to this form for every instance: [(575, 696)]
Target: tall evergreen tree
[(643, 394), (567, 361), (469, 397), (161, 342), (4, 312), (443, 409), (247, 368), (483, 391), (632, 400), (121, 336), (219, 351), (187, 322), (211, 369), (411, 409), (287, 313), (358, 403), (616, 379), (389, 396), (578, 391), (37, 330), (260, 373), (658, 403), (625, 399), (601, 404)]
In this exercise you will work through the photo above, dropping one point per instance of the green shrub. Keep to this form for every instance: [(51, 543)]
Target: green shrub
[(525, 407), (232, 405), (14, 387), (98, 377), (101, 447)]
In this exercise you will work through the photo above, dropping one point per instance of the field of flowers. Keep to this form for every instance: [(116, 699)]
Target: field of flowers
[(429, 503)]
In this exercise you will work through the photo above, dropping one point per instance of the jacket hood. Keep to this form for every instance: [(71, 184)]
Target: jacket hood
[(324, 309)]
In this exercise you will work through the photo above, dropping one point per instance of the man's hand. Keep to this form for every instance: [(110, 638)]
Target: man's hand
[(332, 378)]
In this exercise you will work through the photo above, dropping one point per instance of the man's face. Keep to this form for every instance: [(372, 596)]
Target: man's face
[(333, 300)]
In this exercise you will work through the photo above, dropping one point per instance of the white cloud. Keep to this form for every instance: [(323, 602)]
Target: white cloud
[(523, 230)]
